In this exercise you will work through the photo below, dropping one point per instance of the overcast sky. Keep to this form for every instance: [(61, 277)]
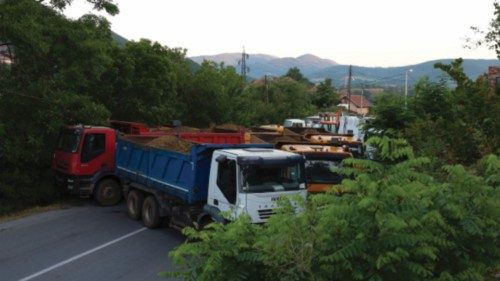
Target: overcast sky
[(359, 32)]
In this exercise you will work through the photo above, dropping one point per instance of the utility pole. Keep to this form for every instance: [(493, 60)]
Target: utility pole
[(362, 97), (406, 87), (266, 89), (243, 64), (349, 89)]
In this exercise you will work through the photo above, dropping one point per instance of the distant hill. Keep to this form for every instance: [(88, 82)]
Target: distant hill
[(261, 64), (317, 69), (395, 76), (119, 40)]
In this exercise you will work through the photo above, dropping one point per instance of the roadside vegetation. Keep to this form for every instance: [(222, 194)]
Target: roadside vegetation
[(426, 209), (393, 220), (72, 71)]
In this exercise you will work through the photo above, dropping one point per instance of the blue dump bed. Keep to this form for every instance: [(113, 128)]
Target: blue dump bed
[(182, 175)]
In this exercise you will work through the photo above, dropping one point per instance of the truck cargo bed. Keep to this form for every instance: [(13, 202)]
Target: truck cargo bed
[(184, 176)]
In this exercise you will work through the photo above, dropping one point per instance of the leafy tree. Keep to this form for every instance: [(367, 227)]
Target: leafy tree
[(392, 220), (491, 37), (389, 112), (458, 125), (208, 98), (56, 72), (326, 95), (296, 75), (107, 5), (142, 83), (273, 101), (431, 99)]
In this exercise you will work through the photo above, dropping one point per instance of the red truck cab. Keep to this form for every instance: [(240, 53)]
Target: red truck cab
[(84, 160)]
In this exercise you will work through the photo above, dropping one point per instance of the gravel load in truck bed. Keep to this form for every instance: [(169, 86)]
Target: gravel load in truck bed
[(171, 143), (227, 128)]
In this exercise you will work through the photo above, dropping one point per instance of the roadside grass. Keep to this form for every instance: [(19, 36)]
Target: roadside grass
[(12, 211)]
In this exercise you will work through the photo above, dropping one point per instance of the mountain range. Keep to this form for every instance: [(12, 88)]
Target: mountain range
[(317, 69)]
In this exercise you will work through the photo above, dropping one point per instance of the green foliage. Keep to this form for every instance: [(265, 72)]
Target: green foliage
[(99, 5), (390, 113), (265, 102), (458, 125), (395, 221), (326, 96), (208, 97), (142, 83), (491, 37), (295, 74), (57, 69)]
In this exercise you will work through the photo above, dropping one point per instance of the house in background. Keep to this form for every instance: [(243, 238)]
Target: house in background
[(494, 78), (357, 104)]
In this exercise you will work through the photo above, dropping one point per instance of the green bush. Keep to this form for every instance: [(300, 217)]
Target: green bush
[(394, 222)]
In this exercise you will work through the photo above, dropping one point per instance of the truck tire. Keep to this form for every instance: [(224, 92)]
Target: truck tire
[(135, 199), (204, 222), (150, 213), (108, 192)]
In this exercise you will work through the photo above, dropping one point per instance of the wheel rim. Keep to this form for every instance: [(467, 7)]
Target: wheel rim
[(132, 206), (108, 192), (147, 214)]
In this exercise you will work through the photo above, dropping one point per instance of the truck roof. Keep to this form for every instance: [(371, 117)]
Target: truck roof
[(261, 152), (316, 149), (80, 126)]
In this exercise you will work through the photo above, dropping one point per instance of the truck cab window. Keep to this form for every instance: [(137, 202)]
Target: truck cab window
[(93, 146), (226, 180)]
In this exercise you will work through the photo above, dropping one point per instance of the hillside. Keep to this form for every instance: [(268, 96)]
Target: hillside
[(119, 40), (261, 64), (395, 76), (317, 69)]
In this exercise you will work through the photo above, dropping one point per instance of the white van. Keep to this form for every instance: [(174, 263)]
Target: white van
[(294, 123)]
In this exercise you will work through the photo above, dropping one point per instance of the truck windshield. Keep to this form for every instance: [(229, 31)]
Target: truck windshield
[(270, 178), (69, 139), (323, 171)]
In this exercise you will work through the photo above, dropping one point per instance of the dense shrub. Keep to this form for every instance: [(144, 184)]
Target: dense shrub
[(393, 222)]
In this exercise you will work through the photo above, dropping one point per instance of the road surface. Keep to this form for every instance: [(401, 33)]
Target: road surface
[(84, 242)]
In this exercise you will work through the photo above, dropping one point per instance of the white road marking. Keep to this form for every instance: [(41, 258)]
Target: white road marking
[(81, 255)]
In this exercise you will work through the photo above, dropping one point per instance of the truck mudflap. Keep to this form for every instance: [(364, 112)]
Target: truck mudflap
[(213, 212)]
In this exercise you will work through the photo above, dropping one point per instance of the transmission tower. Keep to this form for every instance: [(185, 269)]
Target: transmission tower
[(243, 63)]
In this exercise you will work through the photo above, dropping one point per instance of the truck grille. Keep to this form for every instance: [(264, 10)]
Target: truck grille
[(265, 213)]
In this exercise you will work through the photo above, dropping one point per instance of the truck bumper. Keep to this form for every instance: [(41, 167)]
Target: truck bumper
[(78, 185)]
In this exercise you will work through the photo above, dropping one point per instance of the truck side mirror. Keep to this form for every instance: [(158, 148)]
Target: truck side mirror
[(221, 159)]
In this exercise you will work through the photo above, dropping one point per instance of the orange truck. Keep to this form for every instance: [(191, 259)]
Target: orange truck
[(354, 145), (322, 163)]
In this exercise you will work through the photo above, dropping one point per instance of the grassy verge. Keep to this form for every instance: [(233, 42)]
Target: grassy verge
[(12, 211)]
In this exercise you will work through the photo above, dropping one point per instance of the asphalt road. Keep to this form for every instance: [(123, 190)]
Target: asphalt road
[(85, 242)]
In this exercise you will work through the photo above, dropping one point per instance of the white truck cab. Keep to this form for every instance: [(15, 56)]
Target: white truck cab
[(294, 123), (251, 180)]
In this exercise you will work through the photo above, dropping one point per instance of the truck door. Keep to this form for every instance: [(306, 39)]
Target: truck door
[(92, 156), (226, 182)]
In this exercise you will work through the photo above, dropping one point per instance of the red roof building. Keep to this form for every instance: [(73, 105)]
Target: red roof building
[(358, 104)]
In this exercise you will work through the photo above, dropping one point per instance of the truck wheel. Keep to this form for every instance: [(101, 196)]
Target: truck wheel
[(108, 192), (135, 199), (204, 222), (151, 213)]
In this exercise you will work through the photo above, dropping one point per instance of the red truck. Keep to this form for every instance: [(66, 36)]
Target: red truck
[(84, 159)]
